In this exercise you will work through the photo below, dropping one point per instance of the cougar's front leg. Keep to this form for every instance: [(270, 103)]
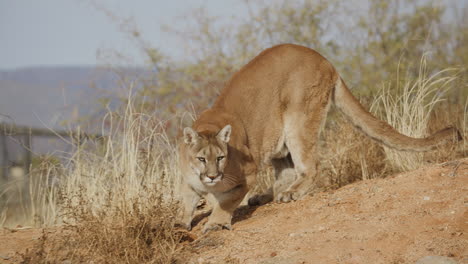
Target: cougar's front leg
[(226, 203), (190, 199)]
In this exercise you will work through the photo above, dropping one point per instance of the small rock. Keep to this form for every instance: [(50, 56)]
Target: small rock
[(276, 260), (273, 254), (435, 260), (426, 198)]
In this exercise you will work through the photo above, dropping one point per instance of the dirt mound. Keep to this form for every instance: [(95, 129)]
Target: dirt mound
[(394, 220), (399, 219), (14, 242)]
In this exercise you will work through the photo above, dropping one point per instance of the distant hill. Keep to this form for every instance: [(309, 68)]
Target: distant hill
[(47, 96)]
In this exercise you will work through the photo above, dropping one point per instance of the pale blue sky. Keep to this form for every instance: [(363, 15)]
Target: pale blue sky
[(73, 32)]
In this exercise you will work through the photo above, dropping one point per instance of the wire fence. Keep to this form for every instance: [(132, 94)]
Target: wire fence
[(16, 145)]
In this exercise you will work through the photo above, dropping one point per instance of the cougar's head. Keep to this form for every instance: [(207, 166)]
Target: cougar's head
[(207, 154)]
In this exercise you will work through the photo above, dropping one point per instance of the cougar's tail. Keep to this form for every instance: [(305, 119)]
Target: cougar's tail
[(380, 130)]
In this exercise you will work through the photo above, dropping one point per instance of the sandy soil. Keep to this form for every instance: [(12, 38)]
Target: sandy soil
[(394, 220), (14, 242)]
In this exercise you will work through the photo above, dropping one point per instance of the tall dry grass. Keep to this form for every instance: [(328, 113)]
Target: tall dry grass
[(31, 200), (137, 160), (113, 200), (409, 108), (417, 108), (346, 155), (120, 198)]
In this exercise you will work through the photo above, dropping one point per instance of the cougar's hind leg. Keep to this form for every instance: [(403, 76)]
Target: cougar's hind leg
[(285, 174), (302, 135), (302, 145)]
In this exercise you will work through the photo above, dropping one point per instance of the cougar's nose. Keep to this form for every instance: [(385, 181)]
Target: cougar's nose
[(212, 177)]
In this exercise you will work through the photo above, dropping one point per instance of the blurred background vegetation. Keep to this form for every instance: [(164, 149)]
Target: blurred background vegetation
[(371, 43), (377, 46)]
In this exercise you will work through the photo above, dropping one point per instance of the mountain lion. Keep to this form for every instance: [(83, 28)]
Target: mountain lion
[(271, 112)]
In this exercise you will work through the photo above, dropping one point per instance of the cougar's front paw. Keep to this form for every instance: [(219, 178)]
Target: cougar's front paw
[(216, 226), (287, 196), (184, 224)]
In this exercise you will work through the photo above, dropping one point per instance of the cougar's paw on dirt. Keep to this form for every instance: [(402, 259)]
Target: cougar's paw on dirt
[(216, 226), (288, 196), (183, 225)]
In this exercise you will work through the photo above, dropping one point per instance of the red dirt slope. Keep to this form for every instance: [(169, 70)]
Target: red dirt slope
[(394, 220)]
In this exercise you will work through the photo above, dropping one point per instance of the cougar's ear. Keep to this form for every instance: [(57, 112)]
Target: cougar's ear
[(190, 135), (225, 134)]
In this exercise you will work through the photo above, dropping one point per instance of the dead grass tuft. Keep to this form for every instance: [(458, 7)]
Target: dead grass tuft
[(146, 235), (142, 233), (346, 155)]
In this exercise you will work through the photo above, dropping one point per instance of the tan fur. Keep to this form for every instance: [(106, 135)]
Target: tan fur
[(277, 105)]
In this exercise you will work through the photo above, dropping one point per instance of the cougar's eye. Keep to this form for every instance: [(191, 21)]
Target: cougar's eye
[(201, 159), (220, 158)]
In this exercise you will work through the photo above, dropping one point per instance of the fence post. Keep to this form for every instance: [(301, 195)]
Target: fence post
[(4, 162), (27, 134), (27, 146)]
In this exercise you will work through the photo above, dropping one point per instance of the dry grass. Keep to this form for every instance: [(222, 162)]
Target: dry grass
[(114, 202), (31, 200), (119, 205), (144, 233), (346, 155), (409, 111)]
